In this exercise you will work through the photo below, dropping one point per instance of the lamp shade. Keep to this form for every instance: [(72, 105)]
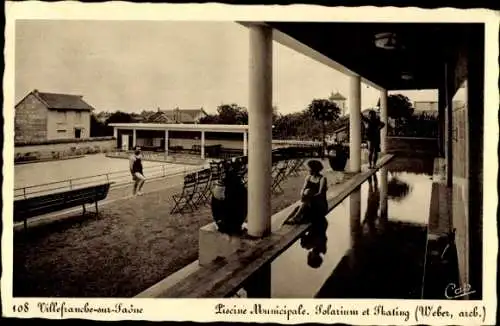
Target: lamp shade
[(386, 41)]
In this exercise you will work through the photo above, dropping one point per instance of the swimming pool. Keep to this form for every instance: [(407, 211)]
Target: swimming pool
[(372, 245)]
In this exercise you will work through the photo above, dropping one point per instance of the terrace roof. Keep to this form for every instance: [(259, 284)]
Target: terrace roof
[(182, 127), (420, 49)]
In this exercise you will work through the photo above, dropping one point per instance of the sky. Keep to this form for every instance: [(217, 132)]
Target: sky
[(145, 65)]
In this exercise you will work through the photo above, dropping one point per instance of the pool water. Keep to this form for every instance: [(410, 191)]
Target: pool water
[(89, 165), (372, 245)]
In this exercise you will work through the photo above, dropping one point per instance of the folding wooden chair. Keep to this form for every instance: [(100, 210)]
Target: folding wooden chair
[(279, 175), (299, 166), (203, 187), (290, 165), (184, 199)]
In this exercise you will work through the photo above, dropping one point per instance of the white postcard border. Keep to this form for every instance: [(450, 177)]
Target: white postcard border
[(205, 309)]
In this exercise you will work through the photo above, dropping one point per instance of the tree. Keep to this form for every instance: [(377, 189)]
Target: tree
[(289, 125), (398, 106), (99, 129), (119, 117), (276, 114), (232, 114), (228, 114), (324, 111), (209, 119)]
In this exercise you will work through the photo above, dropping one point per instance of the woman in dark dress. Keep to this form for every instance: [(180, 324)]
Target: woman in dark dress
[(314, 205)]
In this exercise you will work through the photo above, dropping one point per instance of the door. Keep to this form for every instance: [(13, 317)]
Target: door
[(78, 133), (125, 142)]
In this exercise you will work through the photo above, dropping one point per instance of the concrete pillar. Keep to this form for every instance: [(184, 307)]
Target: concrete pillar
[(384, 119), (203, 145), (245, 144), (134, 138), (260, 116), (355, 124), (166, 142), (115, 135)]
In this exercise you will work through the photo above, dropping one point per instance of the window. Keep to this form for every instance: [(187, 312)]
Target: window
[(61, 131)]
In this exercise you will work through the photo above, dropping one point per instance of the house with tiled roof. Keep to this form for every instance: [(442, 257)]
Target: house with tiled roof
[(177, 116), (43, 116)]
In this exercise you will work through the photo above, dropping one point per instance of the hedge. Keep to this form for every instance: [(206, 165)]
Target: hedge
[(62, 141)]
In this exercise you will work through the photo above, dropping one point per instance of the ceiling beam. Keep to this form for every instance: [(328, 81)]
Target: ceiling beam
[(294, 44)]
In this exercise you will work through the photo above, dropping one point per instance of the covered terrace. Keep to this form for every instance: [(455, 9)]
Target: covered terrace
[(160, 131), (386, 56)]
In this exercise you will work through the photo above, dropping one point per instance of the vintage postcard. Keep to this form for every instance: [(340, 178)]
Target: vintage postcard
[(216, 162)]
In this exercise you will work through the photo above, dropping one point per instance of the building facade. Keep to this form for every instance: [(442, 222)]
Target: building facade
[(48, 116)]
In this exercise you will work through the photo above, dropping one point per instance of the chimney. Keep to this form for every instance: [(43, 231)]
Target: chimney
[(35, 91), (158, 109)]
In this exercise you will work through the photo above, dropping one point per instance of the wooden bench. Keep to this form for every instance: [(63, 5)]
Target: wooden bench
[(45, 204)]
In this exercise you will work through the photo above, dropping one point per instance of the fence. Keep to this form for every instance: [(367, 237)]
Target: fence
[(179, 158), (119, 178), (123, 177)]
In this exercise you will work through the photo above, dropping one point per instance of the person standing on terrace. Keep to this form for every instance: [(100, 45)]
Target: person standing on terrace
[(136, 171), (373, 126)]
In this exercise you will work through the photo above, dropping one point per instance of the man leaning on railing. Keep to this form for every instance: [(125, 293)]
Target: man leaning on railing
[(137, 171)]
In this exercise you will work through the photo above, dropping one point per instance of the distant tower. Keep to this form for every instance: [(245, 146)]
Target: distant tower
[(338, 99)]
